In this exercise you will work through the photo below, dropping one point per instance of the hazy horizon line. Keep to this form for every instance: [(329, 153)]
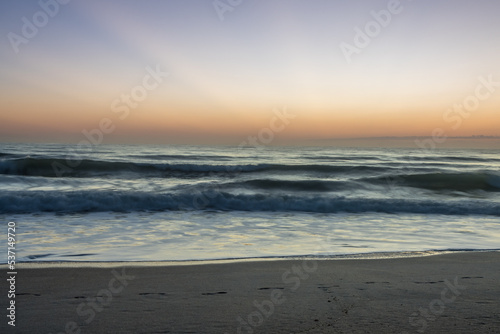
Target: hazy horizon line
[(411, 137)]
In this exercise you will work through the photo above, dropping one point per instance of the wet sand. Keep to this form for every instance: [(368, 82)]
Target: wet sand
[(451, 293)]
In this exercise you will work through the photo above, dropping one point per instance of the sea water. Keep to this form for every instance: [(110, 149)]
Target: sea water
[(173, 203)]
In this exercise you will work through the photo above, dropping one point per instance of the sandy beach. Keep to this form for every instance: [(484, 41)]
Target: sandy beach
[(451, 293)]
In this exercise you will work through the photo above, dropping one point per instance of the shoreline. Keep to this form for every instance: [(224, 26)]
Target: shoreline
[(169, 263), (435, 294)]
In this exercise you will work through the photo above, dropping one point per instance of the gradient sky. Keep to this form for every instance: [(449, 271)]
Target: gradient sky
[(226, 77)]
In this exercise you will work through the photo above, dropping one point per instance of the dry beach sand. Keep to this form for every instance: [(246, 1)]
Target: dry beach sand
[(450, 293)]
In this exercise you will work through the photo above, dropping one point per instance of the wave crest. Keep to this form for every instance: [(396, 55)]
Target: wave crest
[(29, 202)]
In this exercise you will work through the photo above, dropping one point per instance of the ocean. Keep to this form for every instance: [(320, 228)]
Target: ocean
[(184, 203)]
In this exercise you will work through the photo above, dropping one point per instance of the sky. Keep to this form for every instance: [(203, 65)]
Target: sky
[(225, 68)]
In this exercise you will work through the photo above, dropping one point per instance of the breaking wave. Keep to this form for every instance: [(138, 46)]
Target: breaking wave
[(86, 201)]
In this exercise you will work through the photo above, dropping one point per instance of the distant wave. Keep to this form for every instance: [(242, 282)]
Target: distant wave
[(325, 176), (99, 201), (181, 157), (299, 185), (341, 157), (45, 167), (451, 159), (402, 159), (487, 181)]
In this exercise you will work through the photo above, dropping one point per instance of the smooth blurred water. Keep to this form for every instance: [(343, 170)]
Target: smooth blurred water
[(159, 236), (120, 203)]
